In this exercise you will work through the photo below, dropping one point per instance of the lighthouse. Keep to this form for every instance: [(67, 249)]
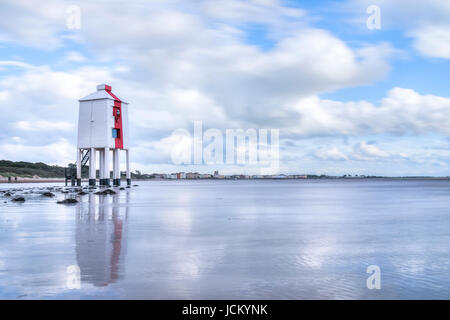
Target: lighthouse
[(103, 130)]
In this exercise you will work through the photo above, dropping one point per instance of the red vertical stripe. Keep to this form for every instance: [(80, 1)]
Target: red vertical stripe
[(117, 118)]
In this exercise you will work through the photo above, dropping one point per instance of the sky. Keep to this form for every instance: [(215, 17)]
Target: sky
[(350, 91)]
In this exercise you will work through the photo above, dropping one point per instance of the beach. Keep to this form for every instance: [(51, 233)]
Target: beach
[(229, 240)]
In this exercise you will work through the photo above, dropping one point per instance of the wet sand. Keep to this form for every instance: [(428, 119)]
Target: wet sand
[(228, 239)]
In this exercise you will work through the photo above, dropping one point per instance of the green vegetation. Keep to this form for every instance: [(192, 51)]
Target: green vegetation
[(29, 169)]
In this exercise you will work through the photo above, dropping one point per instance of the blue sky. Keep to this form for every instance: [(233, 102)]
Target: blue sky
[(347, 99)]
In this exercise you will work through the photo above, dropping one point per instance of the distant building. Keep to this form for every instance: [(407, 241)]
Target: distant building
[(159, 175), (181, 175), (192, 175)]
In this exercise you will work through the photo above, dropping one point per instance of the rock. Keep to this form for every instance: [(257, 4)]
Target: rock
[(135, 185), (48, 194), (7, 194), (105, 192), (82, 193), (68, 201), (18, 199), (122, 189)]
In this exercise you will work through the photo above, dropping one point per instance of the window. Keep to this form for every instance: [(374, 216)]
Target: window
[(116, 133)]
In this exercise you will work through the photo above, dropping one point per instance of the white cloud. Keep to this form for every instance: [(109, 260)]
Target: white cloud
[(40, 105), (176, 63), (44, 100), (189, 46), (330, 154), (74, 56), (401, 112), (433, 40), (253, 11), (44, 125), (33, 25), (60, 152), (427, 22), (4, 95), (5, 64), (363, 150)]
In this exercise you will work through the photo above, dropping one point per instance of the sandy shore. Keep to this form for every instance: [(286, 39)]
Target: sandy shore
[(34, 180)]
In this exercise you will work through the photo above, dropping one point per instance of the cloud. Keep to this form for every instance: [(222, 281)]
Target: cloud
[(433, 40), (40, 105), (364, 151), (200, 47), (60, 152), (180, 64), (330, 154), (176, 50), (401, 112), (361, 151), (43, 125), (8, 64), (427, 22), (176, 63), (33, 25), (73, 56)]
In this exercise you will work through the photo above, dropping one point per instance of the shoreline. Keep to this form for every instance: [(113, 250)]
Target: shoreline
[(32, 181), (62, 180)]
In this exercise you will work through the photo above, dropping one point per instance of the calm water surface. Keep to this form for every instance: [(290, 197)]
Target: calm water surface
[(231, 240)]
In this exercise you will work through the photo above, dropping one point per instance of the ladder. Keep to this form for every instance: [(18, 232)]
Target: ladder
[(85, 157), (71, 172)]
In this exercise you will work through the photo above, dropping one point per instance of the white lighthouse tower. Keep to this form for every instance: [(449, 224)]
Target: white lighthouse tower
[(102, 127)]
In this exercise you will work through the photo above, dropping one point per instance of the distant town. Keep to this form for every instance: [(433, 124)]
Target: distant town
[(21, 171), (217, 175)]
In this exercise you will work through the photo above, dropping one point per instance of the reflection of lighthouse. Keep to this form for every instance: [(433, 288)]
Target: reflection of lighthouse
[(101, 239), (102, 126)]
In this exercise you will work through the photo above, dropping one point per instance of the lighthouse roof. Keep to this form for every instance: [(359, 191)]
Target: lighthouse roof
[(103, 92)]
